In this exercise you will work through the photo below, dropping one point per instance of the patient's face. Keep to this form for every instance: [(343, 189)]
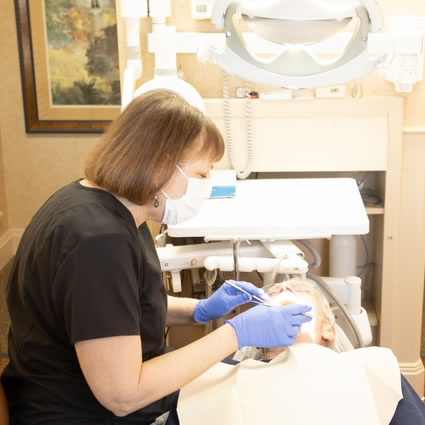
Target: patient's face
[(318, 330)]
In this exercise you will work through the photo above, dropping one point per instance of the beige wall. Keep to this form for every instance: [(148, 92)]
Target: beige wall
[(36, 165), (4, 220)]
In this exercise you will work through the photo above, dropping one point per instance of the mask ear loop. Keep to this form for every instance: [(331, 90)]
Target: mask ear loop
[(164, 194), (182, 172), (156, 200)]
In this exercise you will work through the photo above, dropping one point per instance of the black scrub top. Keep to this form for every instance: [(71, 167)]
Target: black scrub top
[(83, 270)]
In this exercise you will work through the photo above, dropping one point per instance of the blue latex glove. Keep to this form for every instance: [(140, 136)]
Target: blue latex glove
[(268, 327), (224, 300)]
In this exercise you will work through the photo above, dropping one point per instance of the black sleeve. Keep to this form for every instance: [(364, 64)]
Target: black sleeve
[(410, 409), (95, 290)]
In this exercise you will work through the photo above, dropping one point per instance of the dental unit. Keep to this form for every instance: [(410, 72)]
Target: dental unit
[(255, 230), (244, 230)]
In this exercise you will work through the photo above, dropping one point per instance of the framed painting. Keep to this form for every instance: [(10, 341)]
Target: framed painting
[(69, 64)]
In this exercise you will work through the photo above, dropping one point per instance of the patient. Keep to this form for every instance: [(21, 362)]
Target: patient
[(322, 330)]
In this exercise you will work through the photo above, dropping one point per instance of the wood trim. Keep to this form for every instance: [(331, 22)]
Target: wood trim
[(8, 245)]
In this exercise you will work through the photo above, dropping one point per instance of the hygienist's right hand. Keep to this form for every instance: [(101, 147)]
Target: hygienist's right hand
[(268, 327)]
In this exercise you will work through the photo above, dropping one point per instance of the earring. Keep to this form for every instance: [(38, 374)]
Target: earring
[(156, 202)]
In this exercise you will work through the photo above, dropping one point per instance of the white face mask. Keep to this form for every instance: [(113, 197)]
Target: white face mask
[(188, 206)]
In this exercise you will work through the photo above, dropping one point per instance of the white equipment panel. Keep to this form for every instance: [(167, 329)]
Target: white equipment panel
[(281, 209)]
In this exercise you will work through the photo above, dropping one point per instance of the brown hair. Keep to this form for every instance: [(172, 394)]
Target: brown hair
[(138, 153)]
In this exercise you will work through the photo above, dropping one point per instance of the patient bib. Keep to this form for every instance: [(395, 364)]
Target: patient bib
[(305, 384)]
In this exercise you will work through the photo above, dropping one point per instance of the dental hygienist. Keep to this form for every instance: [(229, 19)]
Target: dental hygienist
[(87, 304)]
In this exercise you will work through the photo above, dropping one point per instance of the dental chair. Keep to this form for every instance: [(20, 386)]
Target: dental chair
[(4, 410)]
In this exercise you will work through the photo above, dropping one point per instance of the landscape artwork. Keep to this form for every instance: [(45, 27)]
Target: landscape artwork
[(82, 52)]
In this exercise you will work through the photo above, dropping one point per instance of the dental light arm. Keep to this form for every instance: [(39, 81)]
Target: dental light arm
[(132, 11), (162, 42)]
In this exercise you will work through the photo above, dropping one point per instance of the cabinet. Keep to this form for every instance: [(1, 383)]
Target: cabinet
[(352, 135)]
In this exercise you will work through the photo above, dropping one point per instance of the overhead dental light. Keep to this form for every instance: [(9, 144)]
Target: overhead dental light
[(290, 30), (295, 24)]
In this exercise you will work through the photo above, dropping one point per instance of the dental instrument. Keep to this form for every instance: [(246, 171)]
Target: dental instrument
[(314, 316), (254, 298)]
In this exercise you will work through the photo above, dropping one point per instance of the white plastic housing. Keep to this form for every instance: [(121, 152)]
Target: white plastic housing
[(159, 8), (348, 291), (362, 322), (407, 65), (171, 82), (343, 256), (293, 265), (134, 8)]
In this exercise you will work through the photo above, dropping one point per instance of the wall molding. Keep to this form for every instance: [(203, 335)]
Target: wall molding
[(8, 244), (414, 130), (412, 368), (414, 373)]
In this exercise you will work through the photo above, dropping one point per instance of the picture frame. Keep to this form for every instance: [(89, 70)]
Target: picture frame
[(53, 50)]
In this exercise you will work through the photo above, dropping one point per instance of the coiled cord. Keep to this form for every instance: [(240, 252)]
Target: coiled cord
[(228, 130)]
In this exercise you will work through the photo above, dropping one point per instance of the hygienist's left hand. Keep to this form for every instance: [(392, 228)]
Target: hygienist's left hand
[(224, 300)]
